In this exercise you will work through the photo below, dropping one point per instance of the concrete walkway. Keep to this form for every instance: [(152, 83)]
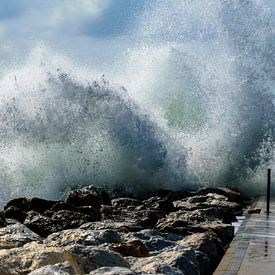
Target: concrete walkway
[(252, 252)]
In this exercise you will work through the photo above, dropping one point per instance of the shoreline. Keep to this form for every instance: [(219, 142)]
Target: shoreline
[(164, 232)]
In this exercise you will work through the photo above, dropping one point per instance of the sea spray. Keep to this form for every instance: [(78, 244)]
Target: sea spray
[(187, 104)]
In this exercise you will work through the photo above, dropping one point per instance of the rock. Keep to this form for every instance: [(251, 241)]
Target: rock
[(126, 203), (83, 237), (225, 210), (91, 258), (115, 271), (42, 225), (32, 256), (197, 221), (16, 235), (125, 226), (13, 212), (232, 195), (154, 240), (106, 212), (61, 220), (159, 203), (174, 261), (166, 233), (3, 221), (89, 196), (209, 244), (57, 269), (225, 232), (71, 219), (133, 248), (28, 204)]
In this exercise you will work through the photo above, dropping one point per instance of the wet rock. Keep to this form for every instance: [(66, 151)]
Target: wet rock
[(126, 203), (197, 221), (3, 221), (41, 225), (32, 256), (134, 248), (13, 212), (28, 204), (232, 195), (165, 233), (225, 209), (61, 220), (89, 196), (71, 219), (225, 232), (210, 245), (106, 212), (57, 269), (159, 203), (16, 235)]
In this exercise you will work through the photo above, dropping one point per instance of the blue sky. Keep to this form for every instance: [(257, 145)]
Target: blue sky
[(66, 24)]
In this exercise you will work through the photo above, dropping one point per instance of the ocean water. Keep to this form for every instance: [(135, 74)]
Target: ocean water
[(186, 101)]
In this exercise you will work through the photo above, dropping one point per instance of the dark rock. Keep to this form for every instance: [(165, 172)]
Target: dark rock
[(87, 210), (126, 203), (28, 204), (254, 211), (89, 196), (159, 203), (134, 248), (41, 225), (14, 212), (70, 219), (106, 212), (3, 221), (60, 220)]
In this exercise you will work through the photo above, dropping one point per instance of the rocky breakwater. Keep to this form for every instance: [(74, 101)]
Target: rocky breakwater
[(165, 232)]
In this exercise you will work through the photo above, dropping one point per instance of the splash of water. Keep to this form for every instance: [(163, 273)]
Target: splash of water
[(195, 107)]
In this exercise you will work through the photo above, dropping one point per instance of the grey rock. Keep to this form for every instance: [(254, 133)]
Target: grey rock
[(115, 271), (57, 269), (16, 235), (92, 257), (84, 237)]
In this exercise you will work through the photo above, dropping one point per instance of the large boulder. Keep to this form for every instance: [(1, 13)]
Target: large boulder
[(60, 220), (209, 244), (83, 237), (56, 269), (232, 195), (92, 257), (16, 235), (89, 196), (173, 261), (28, 204), (32, 256), (3, 221), (115, 271)]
